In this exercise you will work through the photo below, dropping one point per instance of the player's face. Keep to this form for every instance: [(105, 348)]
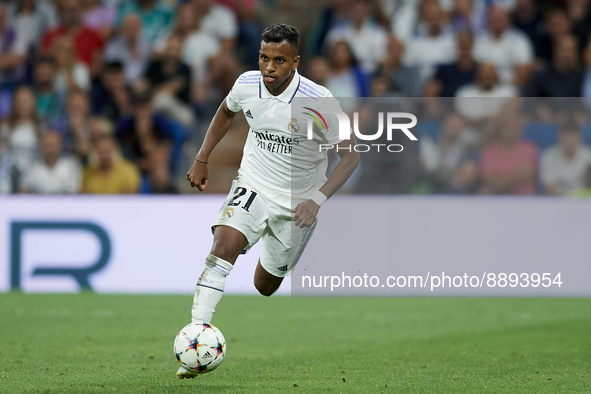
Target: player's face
[(277, 62)]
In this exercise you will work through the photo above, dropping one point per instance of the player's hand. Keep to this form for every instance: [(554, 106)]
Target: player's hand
[(197, 175), (305, 213)]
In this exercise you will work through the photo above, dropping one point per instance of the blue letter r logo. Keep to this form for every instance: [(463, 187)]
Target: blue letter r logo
[(81, 275)]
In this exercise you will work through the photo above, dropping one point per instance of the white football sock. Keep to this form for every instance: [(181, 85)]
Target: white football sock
[(209, 289)]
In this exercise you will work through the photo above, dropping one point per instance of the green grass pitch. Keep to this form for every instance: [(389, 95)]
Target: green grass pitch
[(89, 343)]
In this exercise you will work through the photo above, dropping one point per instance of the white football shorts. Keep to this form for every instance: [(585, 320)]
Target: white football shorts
[(259, 218)]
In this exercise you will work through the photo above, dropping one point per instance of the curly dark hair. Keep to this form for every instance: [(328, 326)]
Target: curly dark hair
[(280, 32)]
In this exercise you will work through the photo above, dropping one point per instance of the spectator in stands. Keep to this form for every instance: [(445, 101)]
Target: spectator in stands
[(74, 126), (381, 86), (111, 97), (562, 77), (579, 12), (218, 21), (112, 174), (88, 44), (509, 164), (505, 47), (54, 173), (7, 171), (485, 97), (199, 48), (209, 51), (185, 23), (346, 79), (318, 70), (98, 127), (31, 19), (367, 40), (201, 52), (21, 131), (482, 10), (71, 74), (443, 159), (13, 50), (156, 16), (406, 15), (99, 17), (170, 81), (50, 102), (462, 16), (527, 18), (338, 12), (435, 43), (130, 48), (142, 133), (402, 80), (563, 166), (160, 180), (557, 24), (249, 30), (449, 78)]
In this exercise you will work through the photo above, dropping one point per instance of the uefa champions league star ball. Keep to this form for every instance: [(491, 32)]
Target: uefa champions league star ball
[(200, 347)]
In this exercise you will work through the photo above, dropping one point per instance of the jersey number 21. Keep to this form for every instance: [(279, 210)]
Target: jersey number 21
[(241, 191)]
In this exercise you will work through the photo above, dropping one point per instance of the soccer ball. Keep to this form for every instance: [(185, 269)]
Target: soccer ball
[(200, 347)]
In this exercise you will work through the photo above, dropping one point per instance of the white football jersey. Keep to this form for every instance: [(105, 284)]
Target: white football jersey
[(278, 159)]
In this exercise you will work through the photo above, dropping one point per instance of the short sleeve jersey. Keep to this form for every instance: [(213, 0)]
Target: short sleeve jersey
[(279, 160)]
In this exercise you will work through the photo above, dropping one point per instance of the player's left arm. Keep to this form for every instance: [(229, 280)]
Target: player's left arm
[(306, 212)]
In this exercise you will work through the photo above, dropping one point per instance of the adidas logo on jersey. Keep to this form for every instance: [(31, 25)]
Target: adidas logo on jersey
[(248, 114), (207, 355), (284, 268)]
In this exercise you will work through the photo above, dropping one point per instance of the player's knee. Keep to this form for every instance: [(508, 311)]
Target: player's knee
[(267, 292), (225, 251), (264, 288)]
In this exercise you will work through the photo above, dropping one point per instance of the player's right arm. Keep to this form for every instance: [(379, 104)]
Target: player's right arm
[(218, 128)]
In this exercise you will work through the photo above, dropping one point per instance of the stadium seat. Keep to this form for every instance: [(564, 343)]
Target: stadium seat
[(431, 128), (543, 135)]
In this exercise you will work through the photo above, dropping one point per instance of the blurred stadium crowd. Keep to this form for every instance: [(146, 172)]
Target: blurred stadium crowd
[(114, 96)]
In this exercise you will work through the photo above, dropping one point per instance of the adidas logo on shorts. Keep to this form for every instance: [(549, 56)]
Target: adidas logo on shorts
[(284, 268), (248, 114)]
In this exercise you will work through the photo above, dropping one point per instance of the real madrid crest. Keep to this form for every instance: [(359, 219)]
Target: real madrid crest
[(229, 212), (293, 126)]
